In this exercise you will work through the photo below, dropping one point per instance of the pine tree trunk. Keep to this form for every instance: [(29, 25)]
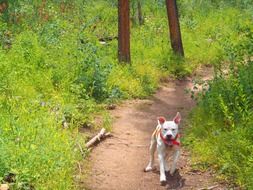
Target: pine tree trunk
[(123, 31), (140, 16), (174, 27)]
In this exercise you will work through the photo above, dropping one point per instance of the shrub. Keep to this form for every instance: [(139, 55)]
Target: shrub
[(221, 132)]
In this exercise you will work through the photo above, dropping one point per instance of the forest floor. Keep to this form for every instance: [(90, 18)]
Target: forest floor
[(118, 162)]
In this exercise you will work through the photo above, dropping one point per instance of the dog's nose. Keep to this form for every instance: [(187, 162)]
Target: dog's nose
[(169, 136)]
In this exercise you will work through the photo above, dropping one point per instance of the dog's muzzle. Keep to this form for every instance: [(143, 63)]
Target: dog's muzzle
[(168, 140), (168, 137)]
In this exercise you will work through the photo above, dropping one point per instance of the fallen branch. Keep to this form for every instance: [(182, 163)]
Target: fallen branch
[(209, 188), (101, 135)]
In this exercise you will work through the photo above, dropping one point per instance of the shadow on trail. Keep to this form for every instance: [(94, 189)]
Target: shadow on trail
[(176, 181), (173, 182)]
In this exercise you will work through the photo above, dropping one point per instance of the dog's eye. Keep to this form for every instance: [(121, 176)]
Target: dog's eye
[(173, 129), (165, 129)]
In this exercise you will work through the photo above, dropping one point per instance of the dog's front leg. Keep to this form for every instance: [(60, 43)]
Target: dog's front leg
[(162, 160), (175, 159), (166, 167)]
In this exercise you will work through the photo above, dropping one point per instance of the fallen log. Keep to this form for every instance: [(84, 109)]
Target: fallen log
[(100, 136)]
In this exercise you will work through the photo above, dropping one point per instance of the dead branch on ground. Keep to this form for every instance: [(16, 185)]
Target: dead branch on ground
[(100, 136)]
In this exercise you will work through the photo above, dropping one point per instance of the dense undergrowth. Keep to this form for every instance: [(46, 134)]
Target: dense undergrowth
[(54, 70), (221, 125)]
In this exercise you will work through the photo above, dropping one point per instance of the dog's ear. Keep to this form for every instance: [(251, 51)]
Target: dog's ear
[(161, 120), (177, 118)]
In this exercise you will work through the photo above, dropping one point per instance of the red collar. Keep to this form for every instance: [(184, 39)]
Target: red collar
[(171, 142)]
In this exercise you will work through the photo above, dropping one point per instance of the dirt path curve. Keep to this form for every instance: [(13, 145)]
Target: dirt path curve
[(118, 162)]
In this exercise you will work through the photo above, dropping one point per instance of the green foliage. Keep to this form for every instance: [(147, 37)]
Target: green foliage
[(34, 150), (221, 132), (54, 69), (34, 146)]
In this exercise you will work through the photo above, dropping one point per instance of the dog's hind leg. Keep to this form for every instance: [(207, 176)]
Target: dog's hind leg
[(152, 153), (174, 163)]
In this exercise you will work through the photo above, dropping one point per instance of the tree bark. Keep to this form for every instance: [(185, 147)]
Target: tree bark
[(123, 31), (140, 16), (174, 27), (3, 6)]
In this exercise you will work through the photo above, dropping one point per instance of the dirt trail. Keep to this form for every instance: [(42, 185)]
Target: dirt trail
[(118, 162)]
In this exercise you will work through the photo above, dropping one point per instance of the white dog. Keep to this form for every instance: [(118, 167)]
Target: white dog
[(165, 138)]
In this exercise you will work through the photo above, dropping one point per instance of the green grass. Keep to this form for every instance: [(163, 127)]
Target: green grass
[(53, 69), (220, 135)]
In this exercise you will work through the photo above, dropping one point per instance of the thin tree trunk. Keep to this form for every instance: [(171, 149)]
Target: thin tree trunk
[(174, 27), (140, 16), (3, 6), (123, 31)]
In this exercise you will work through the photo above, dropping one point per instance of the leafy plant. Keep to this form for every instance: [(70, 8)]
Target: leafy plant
[(223, 119)]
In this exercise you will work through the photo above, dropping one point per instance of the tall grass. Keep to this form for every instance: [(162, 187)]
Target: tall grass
[(55, 71), (221, 128)]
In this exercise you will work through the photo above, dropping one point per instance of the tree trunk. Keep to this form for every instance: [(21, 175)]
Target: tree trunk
[(3, 6), (140, 16), (123, 31), (174, 27)]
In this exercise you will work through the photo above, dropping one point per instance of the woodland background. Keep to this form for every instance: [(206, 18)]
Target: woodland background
[(55, 71)]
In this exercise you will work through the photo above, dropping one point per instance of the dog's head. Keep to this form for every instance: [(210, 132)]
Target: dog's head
[(169, 129)]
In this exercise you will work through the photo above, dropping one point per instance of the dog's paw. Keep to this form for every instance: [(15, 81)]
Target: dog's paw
[(173, 172), (148, 169), (163, 182)]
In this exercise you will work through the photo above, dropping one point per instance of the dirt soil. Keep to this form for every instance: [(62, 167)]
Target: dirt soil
[(118, 163)]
